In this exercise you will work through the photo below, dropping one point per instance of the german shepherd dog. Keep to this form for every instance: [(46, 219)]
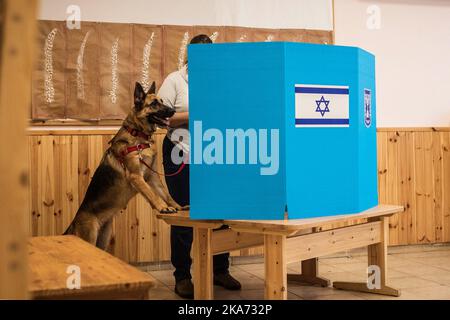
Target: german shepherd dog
[(127, 167)]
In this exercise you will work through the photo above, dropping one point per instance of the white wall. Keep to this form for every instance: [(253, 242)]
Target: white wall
[(308, 14), (412, 49)]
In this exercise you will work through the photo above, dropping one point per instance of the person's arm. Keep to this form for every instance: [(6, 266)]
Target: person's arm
[(179, 118)]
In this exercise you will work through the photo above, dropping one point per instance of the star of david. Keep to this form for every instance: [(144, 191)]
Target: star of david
[(319, 102)]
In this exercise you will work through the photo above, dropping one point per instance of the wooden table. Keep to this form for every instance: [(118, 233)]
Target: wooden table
[(102, 275), (287, 241)]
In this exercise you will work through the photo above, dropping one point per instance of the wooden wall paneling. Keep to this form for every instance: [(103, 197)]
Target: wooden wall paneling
[(216, 33), (133, 231), (382, 166), (49, 76), (73, 198), (437, 185), (82, 72), (95, 153), (392, 183), (83, 166), (33, 147), (445, 148), (238, 34), (47, 186), (405, 158), (423, 143), (146, 241), (176, 39), (160, 231), (147, 55), (413, 171), (115, 70), (123, 224), (58, 154)]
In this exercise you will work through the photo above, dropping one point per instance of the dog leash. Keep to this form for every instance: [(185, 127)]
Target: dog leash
[(139, 148), (180, 168)]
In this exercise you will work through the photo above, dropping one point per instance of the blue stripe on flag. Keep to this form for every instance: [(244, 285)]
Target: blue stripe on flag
[(321, 121), (321, 90)]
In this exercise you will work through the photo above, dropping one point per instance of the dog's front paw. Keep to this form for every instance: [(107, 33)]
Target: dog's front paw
[(185, 208), (168, 210)]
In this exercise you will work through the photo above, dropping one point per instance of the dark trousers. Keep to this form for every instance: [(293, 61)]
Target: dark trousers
[(181, 237)]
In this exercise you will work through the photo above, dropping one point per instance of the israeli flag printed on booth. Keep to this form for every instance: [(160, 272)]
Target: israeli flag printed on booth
[(321, 106)]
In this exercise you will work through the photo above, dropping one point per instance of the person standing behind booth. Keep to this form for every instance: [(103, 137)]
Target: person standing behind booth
[(174, 92)]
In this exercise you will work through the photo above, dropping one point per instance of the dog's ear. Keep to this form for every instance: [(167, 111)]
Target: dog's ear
[(139, 96), (152, 89)]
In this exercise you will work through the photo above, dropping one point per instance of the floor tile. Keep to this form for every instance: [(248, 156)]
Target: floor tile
[(416, 269), (410, 282), (433, 293), (441, 277), (165, 276), (420, 272), (162, 292)]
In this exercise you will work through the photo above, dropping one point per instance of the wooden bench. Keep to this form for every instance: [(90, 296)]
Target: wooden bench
[(102, 275), (287, 241)]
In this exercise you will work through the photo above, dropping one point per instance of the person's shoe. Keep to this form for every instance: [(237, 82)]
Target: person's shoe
[(227, 281), (185, 289)]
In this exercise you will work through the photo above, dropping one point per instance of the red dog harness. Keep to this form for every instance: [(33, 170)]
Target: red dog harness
[(139, 148)]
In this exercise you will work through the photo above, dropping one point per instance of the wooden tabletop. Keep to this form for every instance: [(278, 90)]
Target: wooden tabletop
[(49, 258), (283, 226)]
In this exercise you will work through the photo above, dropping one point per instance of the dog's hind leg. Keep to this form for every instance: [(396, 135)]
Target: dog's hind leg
[(87, 228), (104, 235)]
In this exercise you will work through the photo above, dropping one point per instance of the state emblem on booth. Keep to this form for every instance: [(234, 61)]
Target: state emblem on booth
[(367, 108)]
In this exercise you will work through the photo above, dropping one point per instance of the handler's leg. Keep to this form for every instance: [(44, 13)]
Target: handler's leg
[(222, 276), (180, 237)]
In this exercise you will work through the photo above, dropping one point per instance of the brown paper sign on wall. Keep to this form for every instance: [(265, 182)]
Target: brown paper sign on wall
[(238, 34), (147, 55), (48, 90), (90, 73), (292, 35), (265, 35), (115, 70), (82, 67), (176, 39), (319, 36), (217, 34)]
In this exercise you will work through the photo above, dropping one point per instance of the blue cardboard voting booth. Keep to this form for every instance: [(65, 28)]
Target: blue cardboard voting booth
[(279, 124)]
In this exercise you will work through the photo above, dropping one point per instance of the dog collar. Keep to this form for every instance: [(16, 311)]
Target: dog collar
[(136, 133)]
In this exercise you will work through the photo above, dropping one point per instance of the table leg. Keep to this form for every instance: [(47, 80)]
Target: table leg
[(202, 259), (377, 256), (309, 275), (275, 267)]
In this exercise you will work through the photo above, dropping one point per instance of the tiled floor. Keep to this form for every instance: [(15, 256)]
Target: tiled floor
[(421, 272)]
